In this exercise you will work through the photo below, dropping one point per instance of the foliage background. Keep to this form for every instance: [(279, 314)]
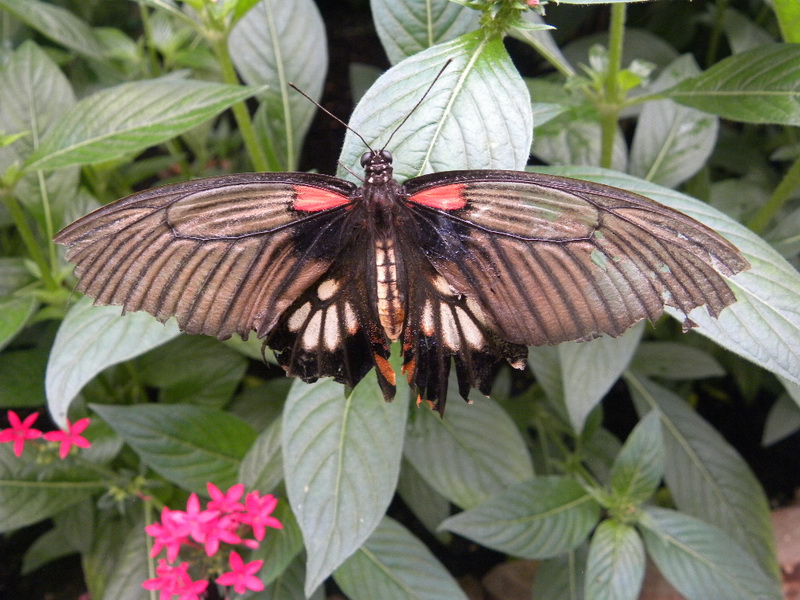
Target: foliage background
[(100, 99)]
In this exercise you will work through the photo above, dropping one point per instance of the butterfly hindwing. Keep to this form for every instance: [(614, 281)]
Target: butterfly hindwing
[(553, 259), (223, 255)]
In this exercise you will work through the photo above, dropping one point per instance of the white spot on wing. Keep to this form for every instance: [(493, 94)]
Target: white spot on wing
[(311, 334), (350, 320), (327, 289), (441, 285), (449, 328), (428, 326), (299, 317), (468, 327), (332, 331)]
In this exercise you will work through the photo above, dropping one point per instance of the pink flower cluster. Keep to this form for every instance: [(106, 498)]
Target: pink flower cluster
[(22, 431), (225, 519)]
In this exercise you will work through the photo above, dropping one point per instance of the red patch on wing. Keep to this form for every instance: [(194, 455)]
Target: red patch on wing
[(312, 199), (443, 197)]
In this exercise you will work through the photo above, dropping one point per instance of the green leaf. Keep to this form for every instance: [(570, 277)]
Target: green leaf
[(701, 561), (49, 546), (572, 138), (130, 117), (672, 142), (289, 585), (280, 546), (262, 466), (477, 115), (58, 24), (92, 338), (674, 360), (788, 14), (783, 420), (13, 274), (742, 33), (274, 44), (479, 451), (761, 85), (22, 377), (30, 492), (539, 518), (407, 27), (639, 466), (615, 568), (187, 445), (210, 371), (763, 326), (394, 565), (705, 475), (341, 459), (600, 363), (14, 314), (130, 568), (428, 505), (561, 578)]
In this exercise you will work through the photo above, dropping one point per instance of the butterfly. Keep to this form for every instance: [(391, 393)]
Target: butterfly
[(462, 267)]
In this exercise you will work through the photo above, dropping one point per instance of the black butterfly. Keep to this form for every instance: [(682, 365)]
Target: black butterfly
[(466, 265)]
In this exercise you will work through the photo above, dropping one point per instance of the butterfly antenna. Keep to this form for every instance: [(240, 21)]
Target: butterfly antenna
[(419, 102), (329, 113)]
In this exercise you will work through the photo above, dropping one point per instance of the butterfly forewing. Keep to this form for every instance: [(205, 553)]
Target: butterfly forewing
[(552, 259), (224, 255)]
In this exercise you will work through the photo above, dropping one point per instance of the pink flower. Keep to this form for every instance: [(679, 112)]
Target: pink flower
[(72, 436), (220, 530), (175, 581), (194, 521), (20, 431), (170, 534), (228, 502), (242, 576), (258, 511)]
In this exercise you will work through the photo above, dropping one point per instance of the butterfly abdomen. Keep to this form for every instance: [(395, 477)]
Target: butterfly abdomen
[(389, 292)]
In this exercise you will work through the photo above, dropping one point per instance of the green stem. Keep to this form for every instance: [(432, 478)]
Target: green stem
[(152, 54), (612, 101), (25, 232), (716, 32), (789, 183), (262, 158)]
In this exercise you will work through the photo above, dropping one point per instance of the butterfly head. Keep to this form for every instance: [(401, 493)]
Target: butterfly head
[(378, 165)]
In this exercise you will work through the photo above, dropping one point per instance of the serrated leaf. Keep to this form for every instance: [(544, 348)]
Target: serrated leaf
[(92, 338), (56, 23), (615, 568), (672, 142), (130, 117), (394, 565), (187, 445), (639, 466), (674, 360), (407, 27), (278, 42), (539, 518), (30, 493), (600, 363), (477, 115), (761, 85), (14, 314), (763, 326), (341, 459), (706, 476), (701, 561), (479, 451)]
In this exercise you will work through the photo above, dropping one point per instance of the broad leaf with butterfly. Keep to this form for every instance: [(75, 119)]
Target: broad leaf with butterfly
[(461, 267)]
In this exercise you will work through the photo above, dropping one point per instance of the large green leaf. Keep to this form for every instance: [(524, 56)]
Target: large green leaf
[(407, 27), (92, 338), (280, 546), (289, 585), (14, 314), (277, 42), (701, 561), (22, 376), (394, 565), (615, 568), (675, 360), (599, 362), (478, 449), (56, 23), (761, 85), (764, 324), (130, 568), (672, 142), (539, 518), (341, 459), (30, 492), (428, 505), (187, 445), (788, 14), (262, 467), (705, 475), (477, 116), (130, 117), (561, 578)]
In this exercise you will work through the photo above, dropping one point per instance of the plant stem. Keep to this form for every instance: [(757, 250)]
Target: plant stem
[(24, 230), (789, 183), (612, 102), (716, 32), (262, 158)]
